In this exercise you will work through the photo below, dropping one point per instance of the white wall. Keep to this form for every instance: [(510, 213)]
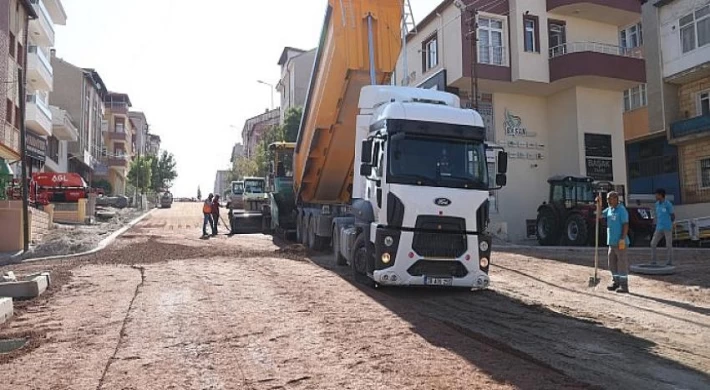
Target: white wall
[(527, 184), (533, 66), (674, 61), (563, 122)]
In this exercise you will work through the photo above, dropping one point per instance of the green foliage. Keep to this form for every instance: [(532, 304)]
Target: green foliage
[(292, 122), (163, 171), (140, 174)]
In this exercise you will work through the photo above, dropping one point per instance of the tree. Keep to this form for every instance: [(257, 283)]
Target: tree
[(244, 167), (163, 171), (140, 174), (292, 123), (199, 193)]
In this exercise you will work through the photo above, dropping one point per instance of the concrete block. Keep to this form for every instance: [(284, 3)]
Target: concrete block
[(28, 287), (6, 309)]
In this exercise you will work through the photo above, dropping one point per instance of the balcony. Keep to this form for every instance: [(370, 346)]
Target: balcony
[(117, 107), (38, 116), (42, 28), (692, 128), (9, 142), (598, 63), (119, 161), (62, 126), (615, 12), (39, 69)]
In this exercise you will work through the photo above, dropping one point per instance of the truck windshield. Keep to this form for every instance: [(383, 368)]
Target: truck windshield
[(254, 186), (237, 188), (432, 161)]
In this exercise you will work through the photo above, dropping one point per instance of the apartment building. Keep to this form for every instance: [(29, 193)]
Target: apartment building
[(40, 81), (221, 182), (119, 137), (15, 16), (255, 128), (296, 68), (80, 92), (153, 146), (677, 46), (63, 132), (237, 152), (142, 128), (550, 76)]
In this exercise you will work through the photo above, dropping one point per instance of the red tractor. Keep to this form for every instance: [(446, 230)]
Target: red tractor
[(568, 218)]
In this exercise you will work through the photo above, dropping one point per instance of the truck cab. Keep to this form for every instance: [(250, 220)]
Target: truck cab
[(420, 202)]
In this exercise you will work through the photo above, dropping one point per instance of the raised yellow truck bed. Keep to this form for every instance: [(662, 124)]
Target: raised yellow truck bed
[(325, 149)]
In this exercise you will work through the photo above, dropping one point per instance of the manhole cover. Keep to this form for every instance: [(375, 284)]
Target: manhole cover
[(7, 346), (652, 269)]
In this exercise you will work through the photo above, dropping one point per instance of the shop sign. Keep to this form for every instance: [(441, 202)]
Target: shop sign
[(514, 126), (597, 145), (600, 169), (36, 147)]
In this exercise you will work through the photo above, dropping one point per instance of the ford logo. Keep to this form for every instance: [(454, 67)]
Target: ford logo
[(442, 202)]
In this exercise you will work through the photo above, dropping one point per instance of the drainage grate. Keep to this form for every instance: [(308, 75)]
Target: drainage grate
[(7, 346)]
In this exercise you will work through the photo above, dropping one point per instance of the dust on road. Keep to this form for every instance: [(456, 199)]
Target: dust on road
[(163, 309)]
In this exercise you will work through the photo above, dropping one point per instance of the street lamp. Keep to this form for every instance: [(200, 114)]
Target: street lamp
[(271, 86)]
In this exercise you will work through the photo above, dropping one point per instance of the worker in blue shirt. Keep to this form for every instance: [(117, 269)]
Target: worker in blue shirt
[(617, 237), (664, 226)]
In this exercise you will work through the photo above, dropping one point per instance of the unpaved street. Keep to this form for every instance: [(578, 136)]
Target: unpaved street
[(162, 309)]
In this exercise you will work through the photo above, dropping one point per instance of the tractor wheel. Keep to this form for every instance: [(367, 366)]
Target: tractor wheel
[(546, 228), (576, 230)]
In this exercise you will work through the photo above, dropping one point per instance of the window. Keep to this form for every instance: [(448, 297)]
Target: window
[(53, 148), (557, 37), (18, 116), (20, 54), (9, 109), (532, 34), (635, 97), (12, 45), (705, 172), (430, 54), (120, 125), (695, 29), (631, 37), (490, 41), (704, 106)]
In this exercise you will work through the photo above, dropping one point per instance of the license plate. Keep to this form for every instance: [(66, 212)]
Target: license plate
[(438, 281)]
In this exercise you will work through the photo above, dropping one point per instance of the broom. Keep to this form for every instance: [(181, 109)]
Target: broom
[(594, 280)]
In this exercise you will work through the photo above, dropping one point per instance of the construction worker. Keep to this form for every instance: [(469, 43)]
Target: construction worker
[(207, 214), (664, 226), (617, 237), (215, 214)]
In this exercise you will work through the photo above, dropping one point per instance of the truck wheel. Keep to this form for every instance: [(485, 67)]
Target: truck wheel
[(315, 242), (363, 253), (338, 258), (546, 228), (303, 230), (576, 231)]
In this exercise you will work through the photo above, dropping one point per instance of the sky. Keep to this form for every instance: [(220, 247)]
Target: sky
[(193, 67)]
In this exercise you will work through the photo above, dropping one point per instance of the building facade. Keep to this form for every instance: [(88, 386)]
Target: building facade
[(142, 128), (119, 137), (15, 16), (221, 182), (237, 152), (63, 132), (296, 68), (153, 146), (40, 81), (256, 127), (80, 93), (550, 76), (678, 65)]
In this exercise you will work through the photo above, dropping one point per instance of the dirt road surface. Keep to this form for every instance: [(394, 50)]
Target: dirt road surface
[(162, 309)]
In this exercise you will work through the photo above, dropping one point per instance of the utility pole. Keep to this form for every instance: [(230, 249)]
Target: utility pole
[(23, 158), (473, 37)]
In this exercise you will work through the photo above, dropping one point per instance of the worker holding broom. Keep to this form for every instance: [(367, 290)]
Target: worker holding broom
[(617, 237)]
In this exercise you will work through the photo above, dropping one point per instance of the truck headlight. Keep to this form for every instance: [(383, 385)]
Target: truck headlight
[(484, 262), (483, 246), (389, 241), (386, 258)]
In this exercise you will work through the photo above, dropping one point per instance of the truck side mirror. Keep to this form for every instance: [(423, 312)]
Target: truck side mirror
[(366, 154), (501, 180), (502, 163), (365, 170)]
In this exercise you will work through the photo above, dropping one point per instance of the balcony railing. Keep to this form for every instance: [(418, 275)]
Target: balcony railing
[(39, 102), (42, 58), (492, 55), (692, 126), (10, 136), (595, 47), (44, 14)]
